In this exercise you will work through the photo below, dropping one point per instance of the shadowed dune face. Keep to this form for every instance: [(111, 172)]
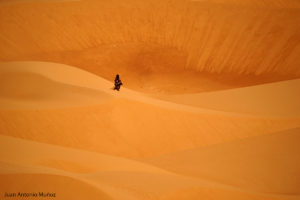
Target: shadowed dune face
[(28, 183), (269, 156), (192, 44), (39, 88), (119, 178), (55, 104), (64, 129), (38, 91), (81, 110)]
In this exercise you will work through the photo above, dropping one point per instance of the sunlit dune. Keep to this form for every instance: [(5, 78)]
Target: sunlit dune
[(118, 178), (142, 126), (186, 46), (209, 106), (28, 85), (50, 183), (253, 163), (83, 112), (273, 99)]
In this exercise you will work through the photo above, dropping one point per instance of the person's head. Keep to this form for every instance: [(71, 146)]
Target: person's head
[(117, 76)]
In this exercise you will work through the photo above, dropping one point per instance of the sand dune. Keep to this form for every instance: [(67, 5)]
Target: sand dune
[(255, 163), (38, 85), (192, 38), (209, 108), (274, 99), (138, 125), (50, 184), (81, 111), (107, 178)]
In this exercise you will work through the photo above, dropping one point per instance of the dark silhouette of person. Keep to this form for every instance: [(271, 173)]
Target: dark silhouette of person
[(118, 82)]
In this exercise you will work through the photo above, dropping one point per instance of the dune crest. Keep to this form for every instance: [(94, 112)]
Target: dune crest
[(252, 163), (196, 40), (119, 178), (280, 99), (208, 109), (140, 126)]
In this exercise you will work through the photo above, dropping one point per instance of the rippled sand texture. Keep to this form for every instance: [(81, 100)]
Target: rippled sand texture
[(157, 44), (209, 109)]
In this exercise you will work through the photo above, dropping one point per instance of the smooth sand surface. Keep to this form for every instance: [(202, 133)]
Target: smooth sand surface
[(273, 99), (94, 175), (186, 46), (252, 163), (129, 145), (209, 108), (139, 122)]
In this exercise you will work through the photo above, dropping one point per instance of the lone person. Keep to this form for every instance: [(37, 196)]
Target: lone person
[(118, 83)]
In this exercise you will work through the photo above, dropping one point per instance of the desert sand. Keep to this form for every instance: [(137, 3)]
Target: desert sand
[(209, 108)]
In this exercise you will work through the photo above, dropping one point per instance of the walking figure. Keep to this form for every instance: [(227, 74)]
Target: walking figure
[(118, 83)]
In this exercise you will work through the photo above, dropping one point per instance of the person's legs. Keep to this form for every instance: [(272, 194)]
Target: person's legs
[(117, 87)]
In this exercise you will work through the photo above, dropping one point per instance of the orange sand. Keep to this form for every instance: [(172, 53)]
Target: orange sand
[(183, 127)]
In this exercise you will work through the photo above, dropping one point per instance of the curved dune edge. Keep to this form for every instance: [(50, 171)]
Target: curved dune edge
[(163, 130), (111, 124), (119, 178), (133, 146), (138, 125), (106, 37), (38, 85), (33, 84), (64, 187), (274, 99), (57, 157), (268, 163)]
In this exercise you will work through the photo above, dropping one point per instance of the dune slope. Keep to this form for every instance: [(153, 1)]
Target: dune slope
[(94, 176), (170, 133), (126, 123), (279, 99), (192, 38), (267, 163)]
